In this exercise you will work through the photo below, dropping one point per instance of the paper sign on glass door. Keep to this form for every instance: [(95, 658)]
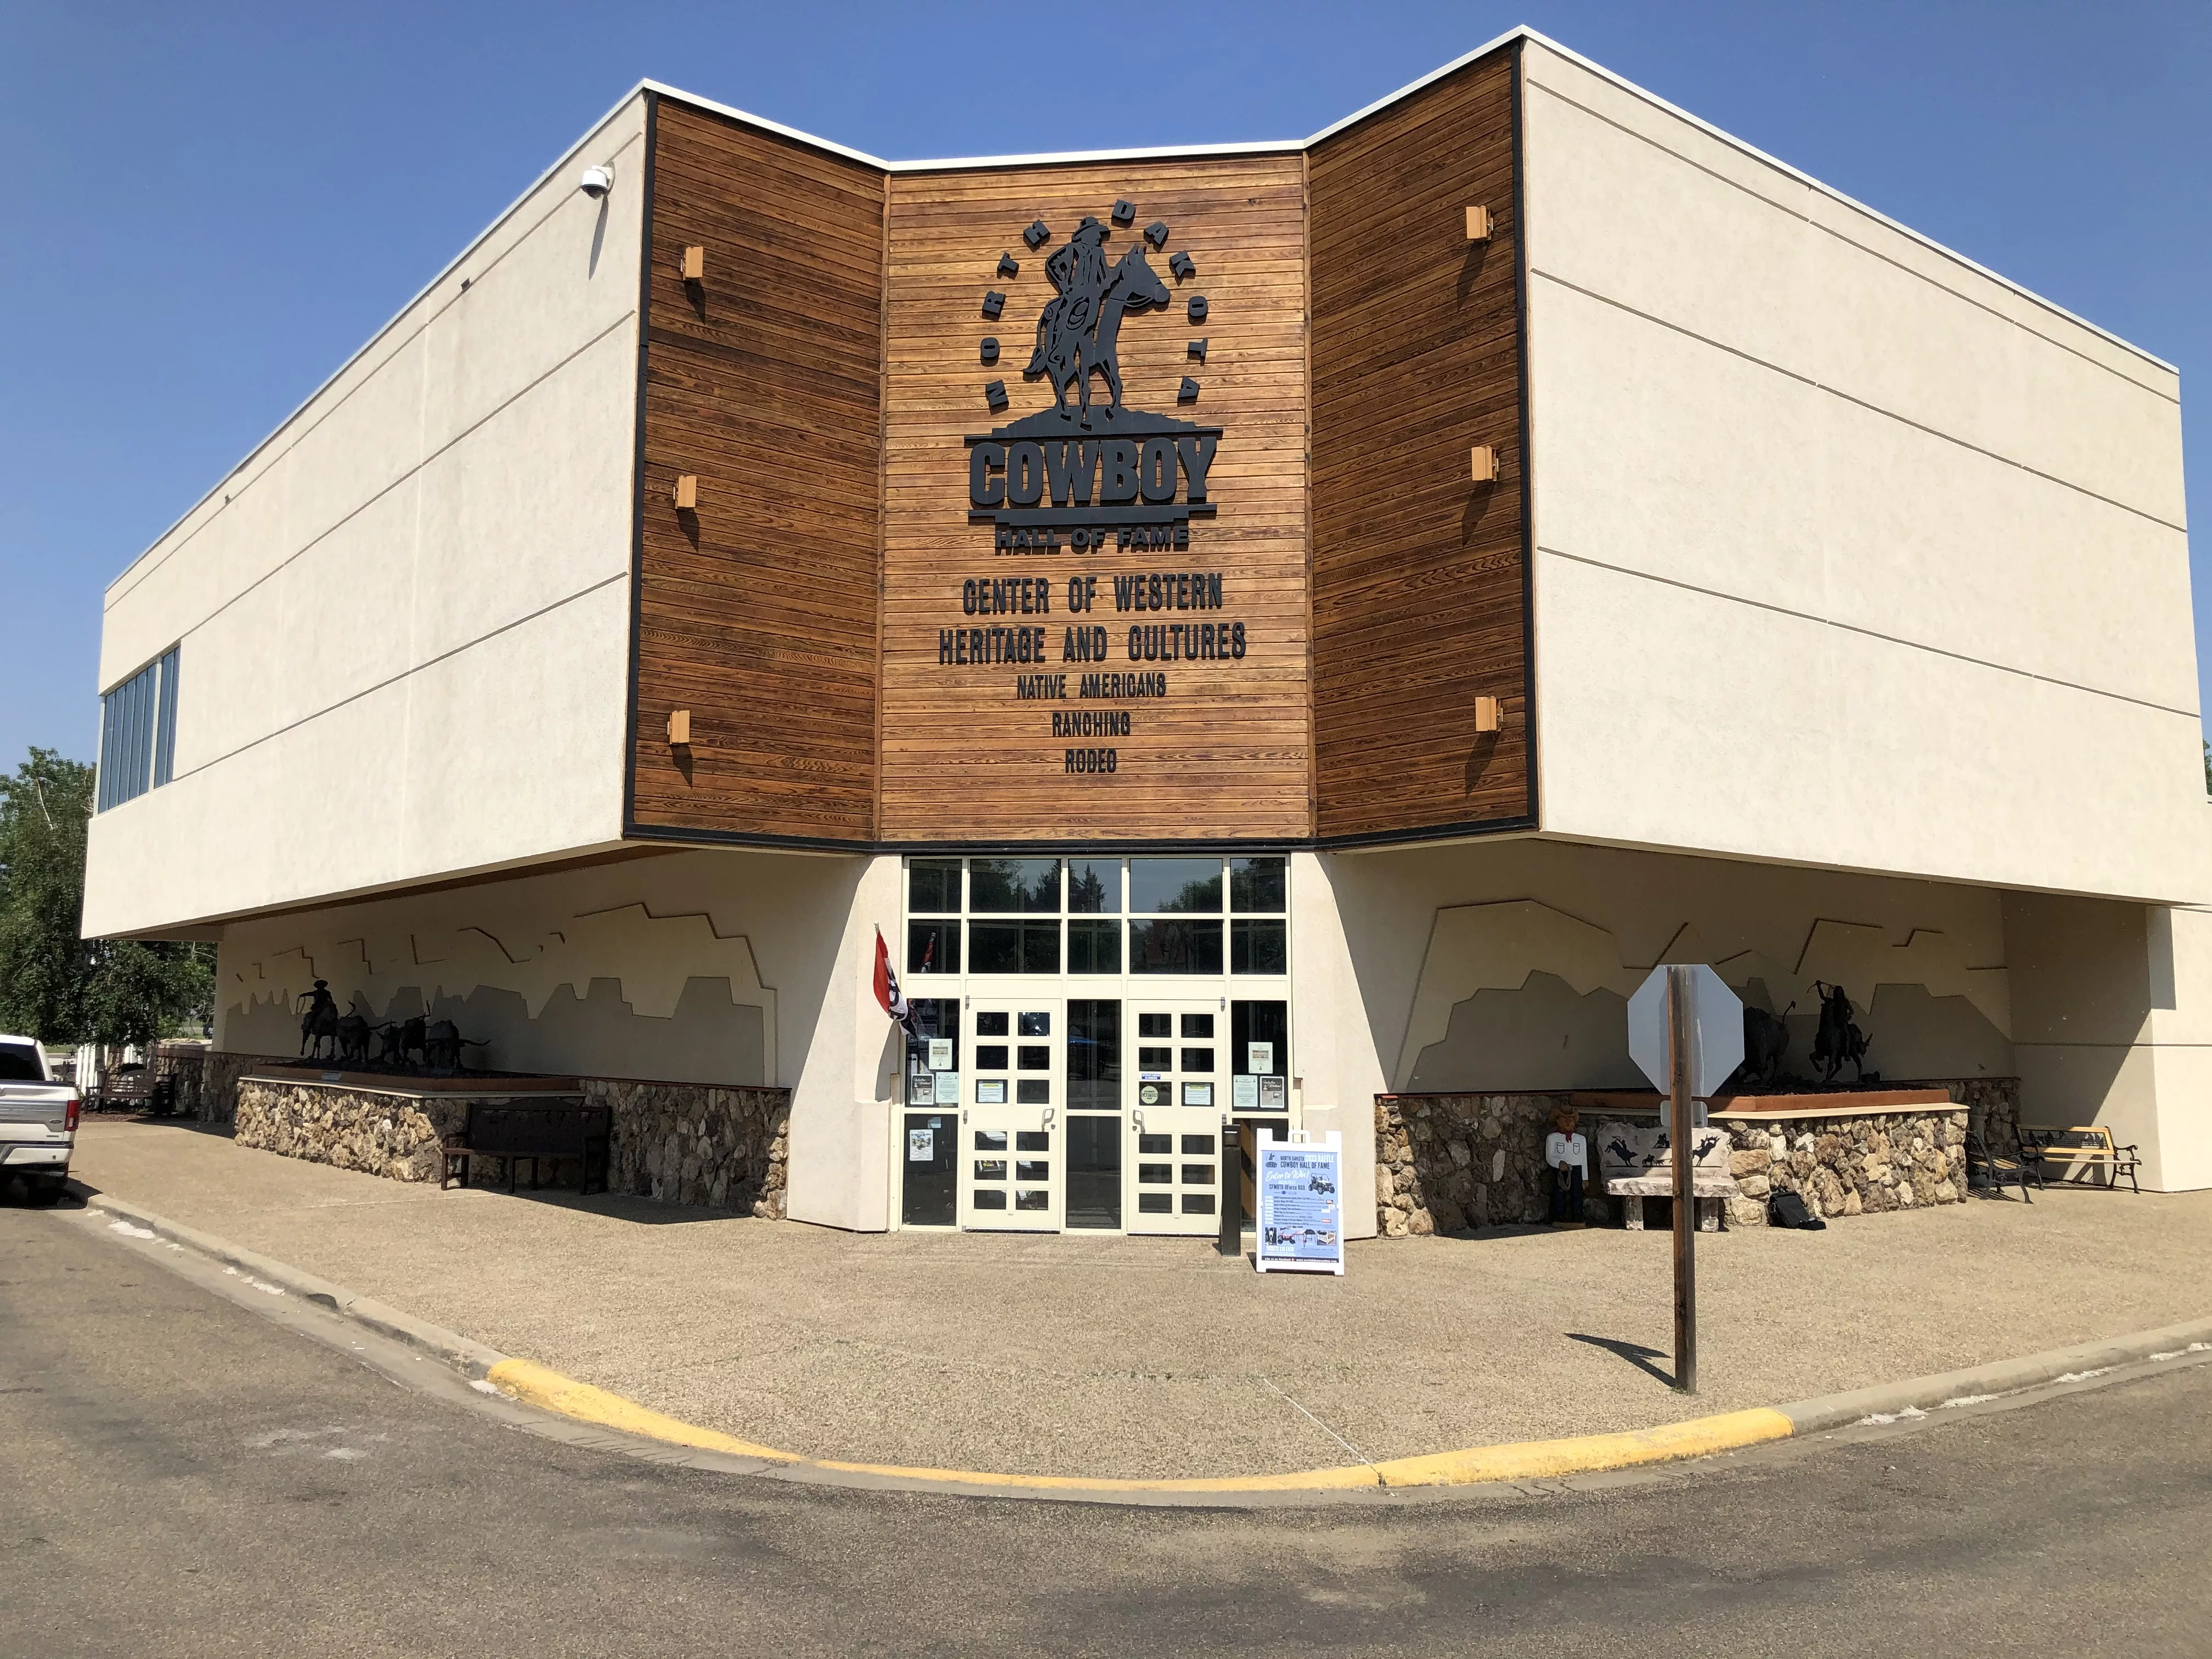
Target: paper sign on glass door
[(1260, 1057), (940, 1054)]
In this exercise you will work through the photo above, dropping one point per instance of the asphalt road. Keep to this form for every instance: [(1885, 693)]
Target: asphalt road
[(179, 1474)]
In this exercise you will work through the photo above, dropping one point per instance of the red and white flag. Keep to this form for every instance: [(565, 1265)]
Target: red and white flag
[(887, 986)]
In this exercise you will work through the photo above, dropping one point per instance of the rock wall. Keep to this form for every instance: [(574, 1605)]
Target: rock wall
[(219, 1074), (682, 1142), (1851, 1166), (185, 1063), (687, 1142), (1445, 1162), (397, 1136)]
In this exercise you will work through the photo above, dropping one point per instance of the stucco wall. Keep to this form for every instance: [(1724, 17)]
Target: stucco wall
[(2114, 1026), (708, 967), (841, 1106), (1844, 550), (1505, 965), (404, 618)]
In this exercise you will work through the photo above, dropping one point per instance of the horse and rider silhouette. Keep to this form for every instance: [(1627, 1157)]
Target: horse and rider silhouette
[(1080, 330), (325, 1034)]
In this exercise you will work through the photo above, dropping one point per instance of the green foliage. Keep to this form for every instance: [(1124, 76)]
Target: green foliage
[(2207, 768), (53, 985)]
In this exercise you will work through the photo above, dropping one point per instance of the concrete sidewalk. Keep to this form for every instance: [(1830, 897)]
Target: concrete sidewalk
[(1154, 1358)]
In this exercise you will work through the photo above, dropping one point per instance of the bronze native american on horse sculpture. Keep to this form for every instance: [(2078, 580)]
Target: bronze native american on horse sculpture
[(1080, 330)]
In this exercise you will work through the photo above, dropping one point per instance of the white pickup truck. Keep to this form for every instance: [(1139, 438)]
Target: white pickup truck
[(37, 1120)]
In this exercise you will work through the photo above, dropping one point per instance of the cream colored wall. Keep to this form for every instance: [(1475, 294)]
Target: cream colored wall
[(1845, 551), (1339, 1065), (404, 619), (840, 1111), (2113, 1006), (627, 969), (1428, 933)]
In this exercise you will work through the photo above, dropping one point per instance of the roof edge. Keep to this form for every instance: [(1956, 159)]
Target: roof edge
[(390, 323), (1806, 178), (1520, 32)]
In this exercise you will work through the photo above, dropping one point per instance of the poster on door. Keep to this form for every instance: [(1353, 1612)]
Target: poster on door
[(1301, 1220)]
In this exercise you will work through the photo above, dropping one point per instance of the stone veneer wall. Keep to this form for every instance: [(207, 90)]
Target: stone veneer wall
[(219, 1074), (1445, 1162), (1845, 1166), (679, 1142), (395, 1136), (688, 1143)]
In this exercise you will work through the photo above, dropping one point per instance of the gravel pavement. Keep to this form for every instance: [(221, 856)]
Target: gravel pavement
[(1148, 1357)]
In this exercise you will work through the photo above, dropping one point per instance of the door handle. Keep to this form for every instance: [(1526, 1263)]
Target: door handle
[(1137, 1116), (1048, 1113)]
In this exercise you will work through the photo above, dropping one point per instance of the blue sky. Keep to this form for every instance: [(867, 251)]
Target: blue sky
[(208, 208)]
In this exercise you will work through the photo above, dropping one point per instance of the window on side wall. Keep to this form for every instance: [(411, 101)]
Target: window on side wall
[(138, 733)]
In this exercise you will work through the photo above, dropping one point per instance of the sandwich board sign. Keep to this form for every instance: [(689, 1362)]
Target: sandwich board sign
[(1716, 1033), (1301, 1220)]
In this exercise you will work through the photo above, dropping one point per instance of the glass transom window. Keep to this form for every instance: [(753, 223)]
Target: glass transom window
[(1188, 914)]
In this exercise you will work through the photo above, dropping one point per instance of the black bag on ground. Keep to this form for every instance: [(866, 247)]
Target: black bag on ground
[(1788, 1210)]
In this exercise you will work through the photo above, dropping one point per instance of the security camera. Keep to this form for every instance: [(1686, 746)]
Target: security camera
[(596, 182)]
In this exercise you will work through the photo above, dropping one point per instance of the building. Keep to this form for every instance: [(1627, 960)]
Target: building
[(1426, 574)]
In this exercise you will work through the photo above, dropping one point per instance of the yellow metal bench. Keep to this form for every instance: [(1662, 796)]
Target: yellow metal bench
[(2069, 1151)]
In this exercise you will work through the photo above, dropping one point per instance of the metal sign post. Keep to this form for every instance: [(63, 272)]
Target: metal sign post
[(1683, 1142), (1686, 1032)]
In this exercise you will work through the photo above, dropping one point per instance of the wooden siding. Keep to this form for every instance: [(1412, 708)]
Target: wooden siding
[(757, 612), (1225, 756), (1419, 573)]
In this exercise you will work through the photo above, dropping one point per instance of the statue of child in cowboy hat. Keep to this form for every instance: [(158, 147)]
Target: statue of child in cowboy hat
[(1568, 1154)]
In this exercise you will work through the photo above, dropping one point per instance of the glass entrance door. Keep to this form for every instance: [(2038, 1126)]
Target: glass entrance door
[(1094, 1114), (933, 1149), (1177, 1097), (1011, 1153)]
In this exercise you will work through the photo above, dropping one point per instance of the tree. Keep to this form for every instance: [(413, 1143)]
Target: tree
[(54, 985)]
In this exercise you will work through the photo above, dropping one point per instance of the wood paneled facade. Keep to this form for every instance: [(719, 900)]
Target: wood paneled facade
[(1419, 574), (1224, 755), (826, 377), (757, 609)]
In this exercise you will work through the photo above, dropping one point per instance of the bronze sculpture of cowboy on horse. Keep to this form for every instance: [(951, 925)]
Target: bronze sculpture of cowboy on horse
[(1080, 329)]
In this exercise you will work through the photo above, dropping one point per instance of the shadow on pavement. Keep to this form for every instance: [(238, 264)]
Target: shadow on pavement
[(1634, 1352)]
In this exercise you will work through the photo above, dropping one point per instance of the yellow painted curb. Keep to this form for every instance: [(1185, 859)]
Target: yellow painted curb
[(541, 1385), (1529, 1459), (1588, 1454), (1356, 1476)]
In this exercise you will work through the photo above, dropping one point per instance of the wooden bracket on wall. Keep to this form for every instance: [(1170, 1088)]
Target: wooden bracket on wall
[(1487, 714), (679, 729), (1484, 464), (1478, 224), (687, 492), (695, 265)]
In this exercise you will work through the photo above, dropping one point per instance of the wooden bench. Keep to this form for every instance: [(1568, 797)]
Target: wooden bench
[(136, 1091), (512, 1134), (1635, 1167), (2081, 1149)]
